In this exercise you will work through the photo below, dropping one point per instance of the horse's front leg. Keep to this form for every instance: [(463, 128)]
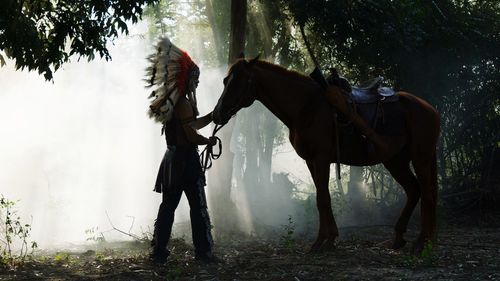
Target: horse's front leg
[(328, 231)]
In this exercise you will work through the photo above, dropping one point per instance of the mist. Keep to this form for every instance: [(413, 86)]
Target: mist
[(81, 148)]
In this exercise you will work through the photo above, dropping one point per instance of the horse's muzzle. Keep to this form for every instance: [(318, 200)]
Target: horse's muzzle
[(219, 119)]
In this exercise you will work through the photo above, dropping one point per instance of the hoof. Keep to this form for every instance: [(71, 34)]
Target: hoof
[(325, 246), (418, 246), (329, 246), (398, 244), (316, 248)]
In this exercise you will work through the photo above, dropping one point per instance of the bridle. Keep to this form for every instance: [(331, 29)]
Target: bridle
[(237, 106), (207, 155)]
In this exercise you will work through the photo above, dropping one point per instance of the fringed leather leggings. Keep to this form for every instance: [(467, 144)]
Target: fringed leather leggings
[(190, 180)]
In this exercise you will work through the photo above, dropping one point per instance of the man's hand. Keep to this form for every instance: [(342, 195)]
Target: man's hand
[(184, 112), (201, 122), (212, 141)]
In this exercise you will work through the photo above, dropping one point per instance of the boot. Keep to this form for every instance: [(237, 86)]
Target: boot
[(159, 253), (335, 97)]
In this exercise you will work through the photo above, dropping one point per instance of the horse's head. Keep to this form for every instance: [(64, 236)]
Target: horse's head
[(239, 91)]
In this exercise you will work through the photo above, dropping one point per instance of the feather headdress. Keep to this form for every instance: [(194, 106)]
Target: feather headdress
[(172, 74)]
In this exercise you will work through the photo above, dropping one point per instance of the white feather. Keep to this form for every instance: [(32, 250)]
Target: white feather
[(162, 73)]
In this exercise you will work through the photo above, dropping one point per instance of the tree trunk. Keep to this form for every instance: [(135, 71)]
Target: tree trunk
[(355, 181), (252, 139), (238, 28), (356, 194), (271, 131), (224, 211), (215, 30), (260, 41)]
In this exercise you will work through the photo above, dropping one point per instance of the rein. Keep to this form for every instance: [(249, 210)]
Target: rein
[(318, 75), (207, 154)]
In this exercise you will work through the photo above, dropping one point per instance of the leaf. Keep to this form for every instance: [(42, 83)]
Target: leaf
[(121, 25)]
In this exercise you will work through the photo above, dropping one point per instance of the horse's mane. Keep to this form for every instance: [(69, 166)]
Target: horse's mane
[(284, 70), (278, 68)]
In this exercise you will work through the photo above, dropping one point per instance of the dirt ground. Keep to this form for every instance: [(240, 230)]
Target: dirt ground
[(361, 254)]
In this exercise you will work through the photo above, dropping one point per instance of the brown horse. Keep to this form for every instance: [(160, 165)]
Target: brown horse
[(301, 105)]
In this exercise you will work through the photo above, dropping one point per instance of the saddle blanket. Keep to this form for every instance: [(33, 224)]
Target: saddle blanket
[(386, 118)]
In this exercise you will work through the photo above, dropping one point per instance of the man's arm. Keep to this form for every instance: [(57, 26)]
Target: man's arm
[(184, 112), (201, 122)]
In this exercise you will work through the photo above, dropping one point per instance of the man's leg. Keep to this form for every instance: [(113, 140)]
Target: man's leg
[(200, 220), (163, 224)]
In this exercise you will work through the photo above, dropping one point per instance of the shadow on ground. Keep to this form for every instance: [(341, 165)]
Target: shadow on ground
[(361, 254)]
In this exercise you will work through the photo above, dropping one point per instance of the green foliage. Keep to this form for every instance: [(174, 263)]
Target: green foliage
[(287, 238), (427, 257), (200, 29), (158, 16), (427, 251), (42, 35), (387, 37), (410, 261), (443, 51), (99, 257), (62, 257), (174, 273), (42, 258), (13, 233), (340, 201), (286, 49)]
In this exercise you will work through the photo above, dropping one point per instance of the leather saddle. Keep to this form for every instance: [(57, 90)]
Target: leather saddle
[(372, 91), (377, 104)]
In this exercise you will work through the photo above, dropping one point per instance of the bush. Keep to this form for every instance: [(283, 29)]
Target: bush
[(15, 246)]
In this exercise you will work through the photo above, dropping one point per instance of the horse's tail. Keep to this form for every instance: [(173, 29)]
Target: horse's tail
[(434, 176), (434, 191)]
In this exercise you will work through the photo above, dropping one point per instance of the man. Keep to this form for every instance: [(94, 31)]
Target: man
[(184, 175), (180, 170)]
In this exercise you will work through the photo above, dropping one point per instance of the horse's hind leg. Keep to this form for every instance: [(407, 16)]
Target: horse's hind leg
[(426, 170), (399, 167), (328, 231)]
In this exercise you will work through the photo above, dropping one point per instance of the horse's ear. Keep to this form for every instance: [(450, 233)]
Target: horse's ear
[(254, 60), (242, 55)]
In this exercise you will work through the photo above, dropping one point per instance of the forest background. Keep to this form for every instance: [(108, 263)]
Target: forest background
[(445, 51)]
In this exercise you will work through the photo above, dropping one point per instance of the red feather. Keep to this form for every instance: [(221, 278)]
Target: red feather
[(186, 64)]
